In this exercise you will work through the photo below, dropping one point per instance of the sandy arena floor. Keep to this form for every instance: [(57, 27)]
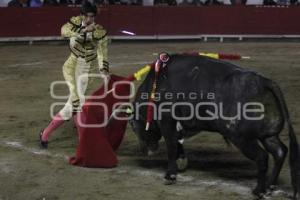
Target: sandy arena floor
[(216, 171)]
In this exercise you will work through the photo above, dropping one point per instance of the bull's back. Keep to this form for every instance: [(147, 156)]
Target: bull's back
[(200, 73), (227, 86), (214, 81)]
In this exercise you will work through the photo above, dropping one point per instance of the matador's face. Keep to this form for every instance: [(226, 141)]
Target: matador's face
[(88, 18)]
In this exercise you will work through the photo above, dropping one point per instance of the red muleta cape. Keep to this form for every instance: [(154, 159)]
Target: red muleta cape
[(97, 144)]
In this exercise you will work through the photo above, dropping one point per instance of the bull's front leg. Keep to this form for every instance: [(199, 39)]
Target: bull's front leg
[(170, 135), (182, 161)]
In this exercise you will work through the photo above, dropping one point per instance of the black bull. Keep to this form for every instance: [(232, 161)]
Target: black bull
[(217, 89)]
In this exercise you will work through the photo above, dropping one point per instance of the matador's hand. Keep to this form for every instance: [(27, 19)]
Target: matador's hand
[(105, 74), (105, 69), (91, 27)]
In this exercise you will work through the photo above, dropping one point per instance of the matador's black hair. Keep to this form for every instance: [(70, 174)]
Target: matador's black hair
[(88, 7)]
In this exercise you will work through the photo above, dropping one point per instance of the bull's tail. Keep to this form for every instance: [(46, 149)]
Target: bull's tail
[(294, 147)]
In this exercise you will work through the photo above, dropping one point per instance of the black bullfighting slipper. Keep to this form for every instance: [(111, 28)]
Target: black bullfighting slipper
[(43, 144)]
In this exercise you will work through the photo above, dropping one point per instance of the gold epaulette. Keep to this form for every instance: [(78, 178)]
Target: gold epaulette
[(76, 21), (99, 33)]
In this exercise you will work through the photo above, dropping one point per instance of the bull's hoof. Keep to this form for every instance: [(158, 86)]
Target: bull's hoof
[(182, 163), (170, 179), (151, 153), (263, 197), (259, 193), (273, 187)]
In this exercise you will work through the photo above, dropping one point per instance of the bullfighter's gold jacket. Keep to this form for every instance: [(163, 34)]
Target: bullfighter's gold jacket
[(88, 54)]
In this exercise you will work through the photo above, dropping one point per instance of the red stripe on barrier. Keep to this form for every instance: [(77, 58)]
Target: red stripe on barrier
[(157, 20)]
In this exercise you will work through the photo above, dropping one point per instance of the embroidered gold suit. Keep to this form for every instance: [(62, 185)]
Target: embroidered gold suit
[(88, 53)]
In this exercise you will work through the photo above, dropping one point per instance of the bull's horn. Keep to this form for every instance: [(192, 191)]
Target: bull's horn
[(120, 108)]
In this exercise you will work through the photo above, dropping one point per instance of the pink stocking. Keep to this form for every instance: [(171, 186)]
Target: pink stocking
[(54, 124)]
